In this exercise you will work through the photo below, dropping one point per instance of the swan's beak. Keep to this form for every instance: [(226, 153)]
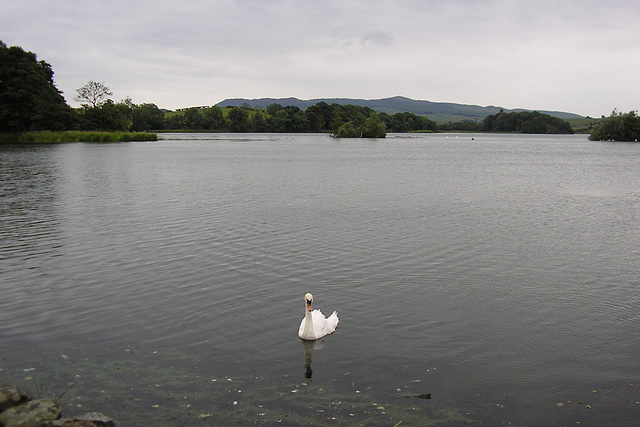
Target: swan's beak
[(308, 306)]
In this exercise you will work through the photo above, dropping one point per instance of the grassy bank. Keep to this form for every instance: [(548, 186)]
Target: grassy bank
[(584, 125), (47, 137)]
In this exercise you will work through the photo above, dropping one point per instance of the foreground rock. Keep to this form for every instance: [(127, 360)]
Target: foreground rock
[(31, 413), (18, 409), (86, 420), (11, 396)]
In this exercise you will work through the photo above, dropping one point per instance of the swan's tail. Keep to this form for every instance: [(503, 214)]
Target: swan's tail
[(332, 321)]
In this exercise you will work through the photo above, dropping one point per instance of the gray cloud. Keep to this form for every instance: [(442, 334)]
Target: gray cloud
[(543, 55), (377, 38)]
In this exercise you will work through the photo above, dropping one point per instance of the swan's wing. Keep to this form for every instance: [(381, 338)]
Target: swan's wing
[(318, 318), (332, 322), (323, 325)]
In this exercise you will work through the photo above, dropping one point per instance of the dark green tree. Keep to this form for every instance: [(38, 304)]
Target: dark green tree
[(355, 112), (461, 126), (145, 117), (525, 122), (108, 117), (315, 119), (272, 109), (238, 120), (371, 127), (348, 130), (258, 123), (617, 127), (213, 119), (337, 118), (296, 120), (174, 121), (342, 114), (374, 127), (408, 122), (29, 99), (193, 120), (278, 122), (401, 122), (319, 117)]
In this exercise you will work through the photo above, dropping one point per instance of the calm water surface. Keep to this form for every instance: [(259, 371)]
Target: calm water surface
[(164, 281)]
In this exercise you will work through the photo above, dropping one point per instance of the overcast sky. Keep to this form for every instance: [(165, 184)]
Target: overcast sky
[(575, 56)]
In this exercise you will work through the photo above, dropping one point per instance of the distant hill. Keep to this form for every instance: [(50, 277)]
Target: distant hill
[(441, 112)]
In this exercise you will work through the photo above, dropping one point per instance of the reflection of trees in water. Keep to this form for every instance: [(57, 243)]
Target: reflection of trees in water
[(28, 189)]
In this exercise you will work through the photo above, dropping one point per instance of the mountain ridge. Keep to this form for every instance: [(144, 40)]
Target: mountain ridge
[(441, 112)]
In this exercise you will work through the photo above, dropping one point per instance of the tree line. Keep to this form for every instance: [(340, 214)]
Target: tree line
[(525, 122), (30, 101), (342, 120)]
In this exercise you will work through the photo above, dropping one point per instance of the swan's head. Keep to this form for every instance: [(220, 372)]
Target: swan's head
[(308, 299)]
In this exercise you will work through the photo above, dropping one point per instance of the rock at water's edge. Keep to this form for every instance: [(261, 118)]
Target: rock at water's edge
[(11, 396), (92, 419), (31, 414), (18, 410)]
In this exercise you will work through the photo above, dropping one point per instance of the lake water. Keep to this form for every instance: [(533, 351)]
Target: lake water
[(162, 283)]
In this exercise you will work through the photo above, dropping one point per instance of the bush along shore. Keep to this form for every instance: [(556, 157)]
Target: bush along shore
[(18, 409), (48, 137)]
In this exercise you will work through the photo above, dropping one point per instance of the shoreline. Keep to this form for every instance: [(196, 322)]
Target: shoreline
[(51, 137)]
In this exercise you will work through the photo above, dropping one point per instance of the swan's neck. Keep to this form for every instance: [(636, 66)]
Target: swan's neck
[(308, 324)]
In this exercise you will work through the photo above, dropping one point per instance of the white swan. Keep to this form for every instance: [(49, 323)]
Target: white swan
[(314, 325)]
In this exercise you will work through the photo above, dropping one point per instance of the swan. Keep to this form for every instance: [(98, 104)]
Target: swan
[(314, 325)]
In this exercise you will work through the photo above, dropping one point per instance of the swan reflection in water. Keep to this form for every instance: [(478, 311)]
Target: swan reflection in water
[(309, 346)]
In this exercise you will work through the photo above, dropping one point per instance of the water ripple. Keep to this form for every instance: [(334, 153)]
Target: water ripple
[(505, 262)]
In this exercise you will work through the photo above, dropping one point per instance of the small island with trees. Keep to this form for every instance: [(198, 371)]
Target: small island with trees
[(32, 109), (618, 127)]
